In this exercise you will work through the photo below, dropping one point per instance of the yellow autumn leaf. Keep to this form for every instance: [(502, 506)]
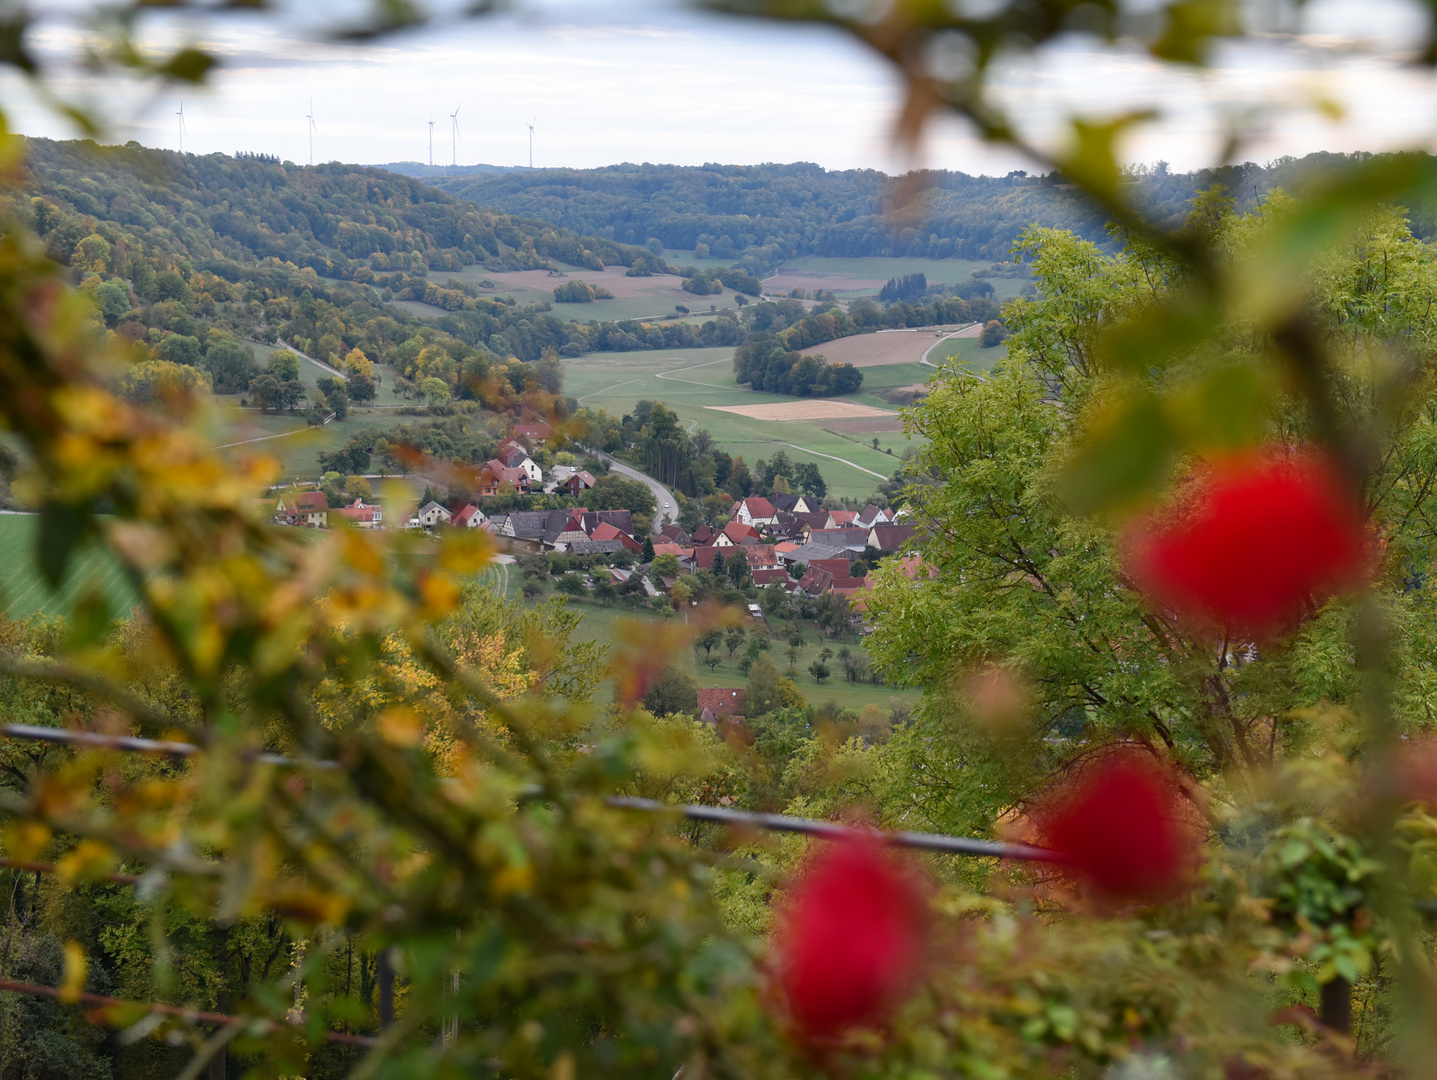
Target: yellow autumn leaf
[(76, 966)]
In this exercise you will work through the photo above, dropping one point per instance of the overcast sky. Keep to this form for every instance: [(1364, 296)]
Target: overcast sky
[(652, 80)]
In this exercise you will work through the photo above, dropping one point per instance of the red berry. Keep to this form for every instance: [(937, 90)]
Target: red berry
[(1120, 829), (849, 940), (1257, 545)]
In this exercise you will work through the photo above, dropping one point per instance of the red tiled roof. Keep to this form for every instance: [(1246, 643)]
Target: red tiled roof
[(760, 555), (723, 700), (890, 537), (462, 518), (837, 567), (842, 517), (759, 507), (815, 582), (738, 532), (772, 576), (704, 557), (311, 501), (605, 531), (912, 566)]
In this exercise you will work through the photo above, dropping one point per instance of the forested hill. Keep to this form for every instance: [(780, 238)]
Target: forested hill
[(193, 257), (763, 214), (335, 219)]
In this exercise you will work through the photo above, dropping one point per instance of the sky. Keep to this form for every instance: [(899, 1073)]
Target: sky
[(606, 81)]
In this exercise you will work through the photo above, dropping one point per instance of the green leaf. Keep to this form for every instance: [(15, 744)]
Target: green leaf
[(1124, 458), (1189, 26), (90, 620), (62, 527), (1092, 160), (1158, 335), (1343, 964), (190, 65), (12, 43), (1230, 407)]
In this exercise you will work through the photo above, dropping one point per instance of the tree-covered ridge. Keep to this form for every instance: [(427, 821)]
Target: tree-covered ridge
[(190, 257), (335, 219), (764, 214)]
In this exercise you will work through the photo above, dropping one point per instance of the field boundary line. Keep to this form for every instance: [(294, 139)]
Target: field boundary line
[(266, 438), (694, 367), (831, 457), (605, 390), (317, 363)]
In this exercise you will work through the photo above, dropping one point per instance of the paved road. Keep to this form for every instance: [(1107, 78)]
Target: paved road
[(668, 505), (971, 330)]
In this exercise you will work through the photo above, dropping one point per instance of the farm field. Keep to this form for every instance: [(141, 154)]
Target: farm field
[(804, 409), (889, 346), (864, 277), (656, 297), (23, 591), (693, 381), (634, 297)]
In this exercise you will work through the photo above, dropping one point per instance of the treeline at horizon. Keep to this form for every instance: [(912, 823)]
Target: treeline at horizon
[(758, 216)]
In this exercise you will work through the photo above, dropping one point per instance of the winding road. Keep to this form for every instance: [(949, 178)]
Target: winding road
[(668, 506), (971, 330)]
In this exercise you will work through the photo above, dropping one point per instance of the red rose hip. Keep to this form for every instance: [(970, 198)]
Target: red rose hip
[(1119, 827), (850, 938), (1257, 545)]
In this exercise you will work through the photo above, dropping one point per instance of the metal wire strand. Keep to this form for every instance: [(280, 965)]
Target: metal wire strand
[(937, 842)]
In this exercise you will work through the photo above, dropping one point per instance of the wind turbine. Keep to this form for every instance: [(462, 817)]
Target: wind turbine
[(454, 131), (310, 117), (181, 114), (531, 139), (431, 142)]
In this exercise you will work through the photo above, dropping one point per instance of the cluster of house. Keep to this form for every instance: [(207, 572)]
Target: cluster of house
[(782, 531), (312, 510), (512, 469)]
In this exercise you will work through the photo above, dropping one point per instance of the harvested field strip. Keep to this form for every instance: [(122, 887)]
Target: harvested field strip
[(815, 409), (885, 347)]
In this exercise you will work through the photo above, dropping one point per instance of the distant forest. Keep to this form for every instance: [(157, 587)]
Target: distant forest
[(761, 215)]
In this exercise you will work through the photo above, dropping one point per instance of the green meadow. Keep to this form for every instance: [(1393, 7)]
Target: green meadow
[(937, 271), (24, 590), (690, 381), (979, 361)]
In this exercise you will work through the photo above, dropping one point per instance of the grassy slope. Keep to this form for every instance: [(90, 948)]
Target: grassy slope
[(599, 624), (978, 360)]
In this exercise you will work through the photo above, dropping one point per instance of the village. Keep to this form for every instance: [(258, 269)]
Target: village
[(784, 541)]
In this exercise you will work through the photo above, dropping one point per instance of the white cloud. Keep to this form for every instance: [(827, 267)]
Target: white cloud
[(650, 80)]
